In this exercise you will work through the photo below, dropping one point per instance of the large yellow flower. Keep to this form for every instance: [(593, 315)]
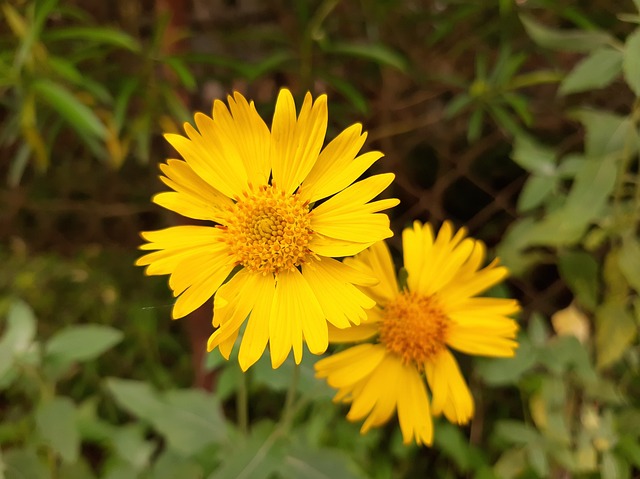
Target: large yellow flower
[(413, 328), (261, 190)]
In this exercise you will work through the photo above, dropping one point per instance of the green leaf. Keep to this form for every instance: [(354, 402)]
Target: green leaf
[(456, 105), (474, 130), (136, 397), (171, 466), (615, 330), (56, 422), (310, 463), (503, 371), (581, 273), (131, 445), (565, 40), (376, 52), (192, 420), (607, 133), (538, 459), (631, 62), (629, 260), (18, 334), (534, 192), (100, 35), (598, 70), (182, 71), (82, 342), (516, 432), (23, 464), (78, 115), (257, 457), (534, 157), (350, 92), (630, 449)]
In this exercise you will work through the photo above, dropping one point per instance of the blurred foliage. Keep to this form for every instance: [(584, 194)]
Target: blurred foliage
[(534, 104)]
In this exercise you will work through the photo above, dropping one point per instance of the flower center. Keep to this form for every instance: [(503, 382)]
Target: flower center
[(269, 231), (414, 328)]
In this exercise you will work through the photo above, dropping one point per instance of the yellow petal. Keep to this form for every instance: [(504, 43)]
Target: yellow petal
[(378, 259), (450, 393), (331, 247), (256, 335), (350, 366), (342, 303), (295, 314), (295, 143), (473, 342), (385, 376), (414, 414), (352, 334)]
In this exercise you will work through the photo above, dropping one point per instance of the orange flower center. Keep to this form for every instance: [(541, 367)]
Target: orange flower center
[(414, 328), (268, 231)]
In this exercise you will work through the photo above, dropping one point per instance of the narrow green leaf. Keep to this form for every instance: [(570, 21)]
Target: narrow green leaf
[(597, 70), (631, 62), (474, 130), (349, 91), (82, 342), (79, 116), (565, 40), (378, 53), (101, 35), (456, 105), (186, 77), (56, 422), (637, 4)]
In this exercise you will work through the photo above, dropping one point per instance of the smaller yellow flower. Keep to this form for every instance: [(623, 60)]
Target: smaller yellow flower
[(413, 329)]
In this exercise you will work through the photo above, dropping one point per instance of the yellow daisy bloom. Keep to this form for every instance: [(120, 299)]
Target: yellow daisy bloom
[(414, 328), (261, 189)]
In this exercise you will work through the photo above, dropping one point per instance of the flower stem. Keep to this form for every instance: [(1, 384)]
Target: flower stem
[(289, 410), (242, 404)]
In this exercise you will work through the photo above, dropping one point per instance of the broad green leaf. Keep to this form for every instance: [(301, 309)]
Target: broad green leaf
[(100, 35), (308, 463), (191, 420), (565, 40), (131, 445), (630, 449), (629, 261), (76, 113), (534, 192), (516, 432), (136, 397), (581, 272), (171, 466), (566, 352), (616, 329), (378, 53), (19, 332), (598, 70), (120, 470), (607, 133), (78, 470), (82, 342), (637, 4), (23, 464), (511, 465), (534, 157), (56, 422), (631, 63), (538, 459), (502, 371), (610, 467), (257, 457)]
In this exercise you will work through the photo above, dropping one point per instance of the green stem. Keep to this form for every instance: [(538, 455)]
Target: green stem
[(289, 410), (242, 403)]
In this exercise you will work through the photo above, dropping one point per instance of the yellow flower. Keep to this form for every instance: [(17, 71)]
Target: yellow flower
[(261, 190), (413, 328)]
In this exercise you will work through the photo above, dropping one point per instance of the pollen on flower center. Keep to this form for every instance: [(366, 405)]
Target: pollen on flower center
[(414, 328), (269, 231)]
